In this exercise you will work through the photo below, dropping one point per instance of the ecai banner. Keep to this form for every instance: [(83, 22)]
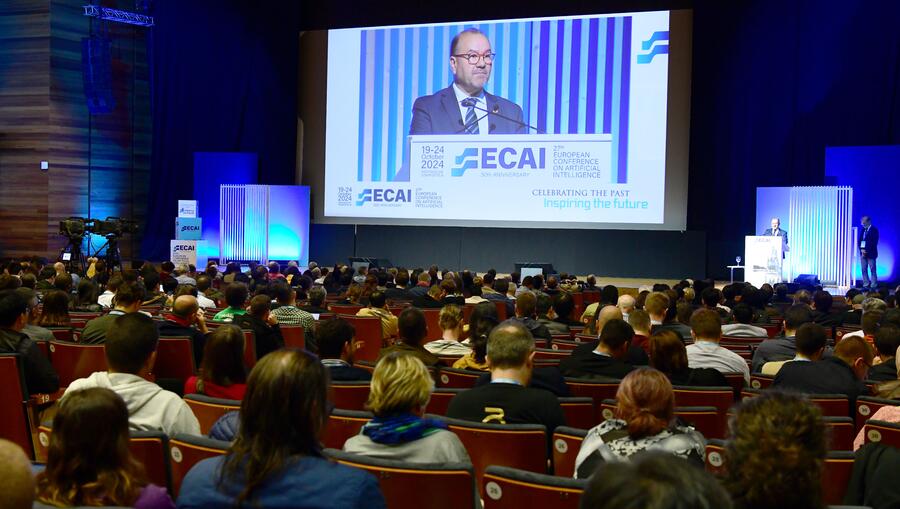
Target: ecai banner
[(188, 252), (494, 177)]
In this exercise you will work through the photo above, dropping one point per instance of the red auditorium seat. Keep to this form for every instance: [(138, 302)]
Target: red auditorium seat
[(521, 446), (566, 443), (369, 331), (208, 410), (185, 451), (293, 336), (343, 424), (510, 488)]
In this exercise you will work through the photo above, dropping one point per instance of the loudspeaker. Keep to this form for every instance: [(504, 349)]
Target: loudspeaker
[(807, 279), (96, 70)]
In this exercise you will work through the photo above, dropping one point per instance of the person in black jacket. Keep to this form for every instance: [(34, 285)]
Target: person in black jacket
[(887, 340), (607, 360), (669, 355), (868, 253), (336, 349), (264, 326), (40, 377), (842, 373)]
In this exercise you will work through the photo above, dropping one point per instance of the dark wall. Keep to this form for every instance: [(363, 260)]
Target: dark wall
[(620, 253)]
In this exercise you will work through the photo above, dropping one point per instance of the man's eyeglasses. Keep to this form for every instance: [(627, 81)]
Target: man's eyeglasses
[(473, 58)]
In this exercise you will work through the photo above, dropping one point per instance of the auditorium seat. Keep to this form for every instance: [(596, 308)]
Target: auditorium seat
[(714, 458), (836, 476), (563, 343), (598, 390), (294, 336), (366, 365), (415, 485), (840, 331), (887, 433), (448, 360), (249, 348), (840, 433), (705, 419), (772, 329), (62, 333), (758, 381), (740, 341), (14, 425), (345, 309), (349, 395), (736, 381), (501, 310), (208, 410), (440, 400), (551, 355), (369, 331), (151, 449), (832, 404), (511, 488), (73, 361), (453, 378), (343, 424), (185, 451), (433, 323), (521, 446), (174, 358), (866, 406), (579, 411), (722, 398), (566, 444)]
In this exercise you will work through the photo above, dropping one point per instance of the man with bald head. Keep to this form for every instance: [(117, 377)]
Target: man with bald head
[(625, 305), (186, 321), (464, 107), (16, 481)]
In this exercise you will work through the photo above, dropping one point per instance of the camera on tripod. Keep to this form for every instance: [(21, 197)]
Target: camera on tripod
[(76, 228)]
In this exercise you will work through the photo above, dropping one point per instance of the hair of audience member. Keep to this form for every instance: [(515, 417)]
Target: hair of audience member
[(563, 304), (501, 285), (871, 321), (400, 384), (450, 317), (887, 340), (63, 282), (16, 481), (873, 304), (537, 281), (810, 339), (316, 296), (282, 416), (609, 295), (11, 282), (412, 326), (55, 310), (88, 459), (509, 346), (281, 291), (797, 315), (482, 321), (542, 304), (646, 402), (130, 341), (823, 301), (656, 303), (377, 299), (260, 305), (236, 295), (128, 294), (223, 357), (803, 297), (706, 324), (689, 295), (332, 335), (653, 480), (776, 453), (667, 352), (87, 293), (526, 304), (641, 300), (639, 320), (711, 297), (683, 313), (742, 313), (616, 333), (12, 305), (852, 348)]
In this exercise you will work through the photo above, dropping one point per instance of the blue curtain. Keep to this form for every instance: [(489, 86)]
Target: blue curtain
[(774, 83), (223, 78)]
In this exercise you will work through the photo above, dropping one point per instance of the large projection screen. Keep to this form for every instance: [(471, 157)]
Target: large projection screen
[(583, 123)]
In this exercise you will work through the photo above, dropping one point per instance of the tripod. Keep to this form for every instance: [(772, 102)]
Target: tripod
[(113, 255), (76, 257)]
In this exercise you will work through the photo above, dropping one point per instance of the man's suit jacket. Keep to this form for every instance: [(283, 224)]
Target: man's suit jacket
[(871, 242), (827, 376), (439, 114), (781, 233)]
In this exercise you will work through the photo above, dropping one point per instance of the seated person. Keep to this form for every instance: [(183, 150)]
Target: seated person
[(842, 373), (264, 326), (236, 297), (185, 321), (413, 329), (810, 341), (40, 377), (451, 322), (887, 340), (706, 329), (644, 421), (35, 332), (130, 354), (316, 305), (336, 350), (378, 308), (481, 323), (525, 309), (222, 371), (669, 355), (16, 479), (822, 315), (546, 315), (86, 297), (773, 437), (783, 348), (287, 312), (608, 359), (639, 320), (563, 305), (508, 399), (742, 328), (401, 388), (276, 459), (55, 310), (653, 479), (670, 316), (88, 460)]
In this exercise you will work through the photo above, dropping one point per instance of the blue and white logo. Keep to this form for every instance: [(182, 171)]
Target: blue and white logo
[(659, 42)]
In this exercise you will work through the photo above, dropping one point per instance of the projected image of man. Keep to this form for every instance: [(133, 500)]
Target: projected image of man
[(464, 107)]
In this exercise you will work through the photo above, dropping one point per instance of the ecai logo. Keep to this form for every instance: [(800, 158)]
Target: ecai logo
[(384, 196), (493, 158), (190, 228), (185, 248)]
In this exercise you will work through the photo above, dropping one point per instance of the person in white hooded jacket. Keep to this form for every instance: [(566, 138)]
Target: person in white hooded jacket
[(131, 353)]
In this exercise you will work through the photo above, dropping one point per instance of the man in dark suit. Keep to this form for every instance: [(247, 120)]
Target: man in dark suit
[(464, 107), (868, 252), (842, 373), (776, 231), (607, 360)]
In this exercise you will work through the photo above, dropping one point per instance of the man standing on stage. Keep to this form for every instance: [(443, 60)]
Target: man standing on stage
[(464, 107), (776, 231), (868, 253)]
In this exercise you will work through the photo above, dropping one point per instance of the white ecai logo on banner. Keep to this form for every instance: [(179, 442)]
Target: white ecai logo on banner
[(187, 208)]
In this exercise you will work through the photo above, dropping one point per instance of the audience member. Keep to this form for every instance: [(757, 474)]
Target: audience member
[(378, 308), (16, 482), (186, 321), (207, 295), (337, 348), (276, 459), (316, 304), (112, 286), (625, 304), (546, 314), (263, 324), (222, 373), (55, 310), (563, 305), (88, 460), (35, 332), (236, 297), (86, 297), (870, 323), (639, 320), (412, 329), (776, 453), (783, 348), (656, 305), (287, 312), (607, 360), (45, 279), (401, 389), (887, 340), (127, 300), (811, 342), (481, 323), (452, 327), (669, 355), (644, 420), (40, 376), (842, 373), (706, 329), (400, 290), (525, 308), (130, 354), (822, 315), (742, 326)]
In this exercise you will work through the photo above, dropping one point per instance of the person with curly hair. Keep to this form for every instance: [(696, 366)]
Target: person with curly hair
[(775, 453)]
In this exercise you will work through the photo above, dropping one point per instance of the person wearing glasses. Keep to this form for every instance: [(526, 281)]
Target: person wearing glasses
[(464, 107)]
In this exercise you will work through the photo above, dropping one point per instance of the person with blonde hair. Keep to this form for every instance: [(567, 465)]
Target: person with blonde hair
[(16, 482), (451, 322), (400, 390), (644, 421)]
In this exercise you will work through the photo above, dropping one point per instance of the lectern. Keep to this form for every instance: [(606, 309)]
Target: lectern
[(763, 256)]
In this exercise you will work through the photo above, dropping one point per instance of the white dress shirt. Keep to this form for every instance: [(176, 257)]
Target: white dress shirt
[(484, 124), (708, 354)]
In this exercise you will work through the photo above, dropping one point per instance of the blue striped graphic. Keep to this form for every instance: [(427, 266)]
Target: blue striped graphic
[(568, 76)]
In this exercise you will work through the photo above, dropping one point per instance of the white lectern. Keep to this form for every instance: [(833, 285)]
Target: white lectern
[(763, 257)]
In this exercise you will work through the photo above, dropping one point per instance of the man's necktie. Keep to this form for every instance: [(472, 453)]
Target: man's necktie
[(471, 117)]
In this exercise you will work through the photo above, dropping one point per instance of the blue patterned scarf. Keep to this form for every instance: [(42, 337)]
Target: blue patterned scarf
[(401, 428)]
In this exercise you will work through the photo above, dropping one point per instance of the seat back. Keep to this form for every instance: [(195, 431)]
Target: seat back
[(579, 412), (521, 446), (249, 348), (208, 410), (566, 444), (62, 333), (14, 424), (151, 449), (598, 390), (772, 329), (866, 406), (343, 424), (294, 336), (369, 331), (452, 378), (832, 404), (705, 419), (185, 451), (510, 488), (345, 309), (840, 433), (758, 381), (433, 322), (887, 433), (73, 361), (174, 358), (564, 343), (414, 485), (714, 458), (349, 395), (501, 309), (440, 400), (720, 397), (736, 381), (551, 354), (836, 476)]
